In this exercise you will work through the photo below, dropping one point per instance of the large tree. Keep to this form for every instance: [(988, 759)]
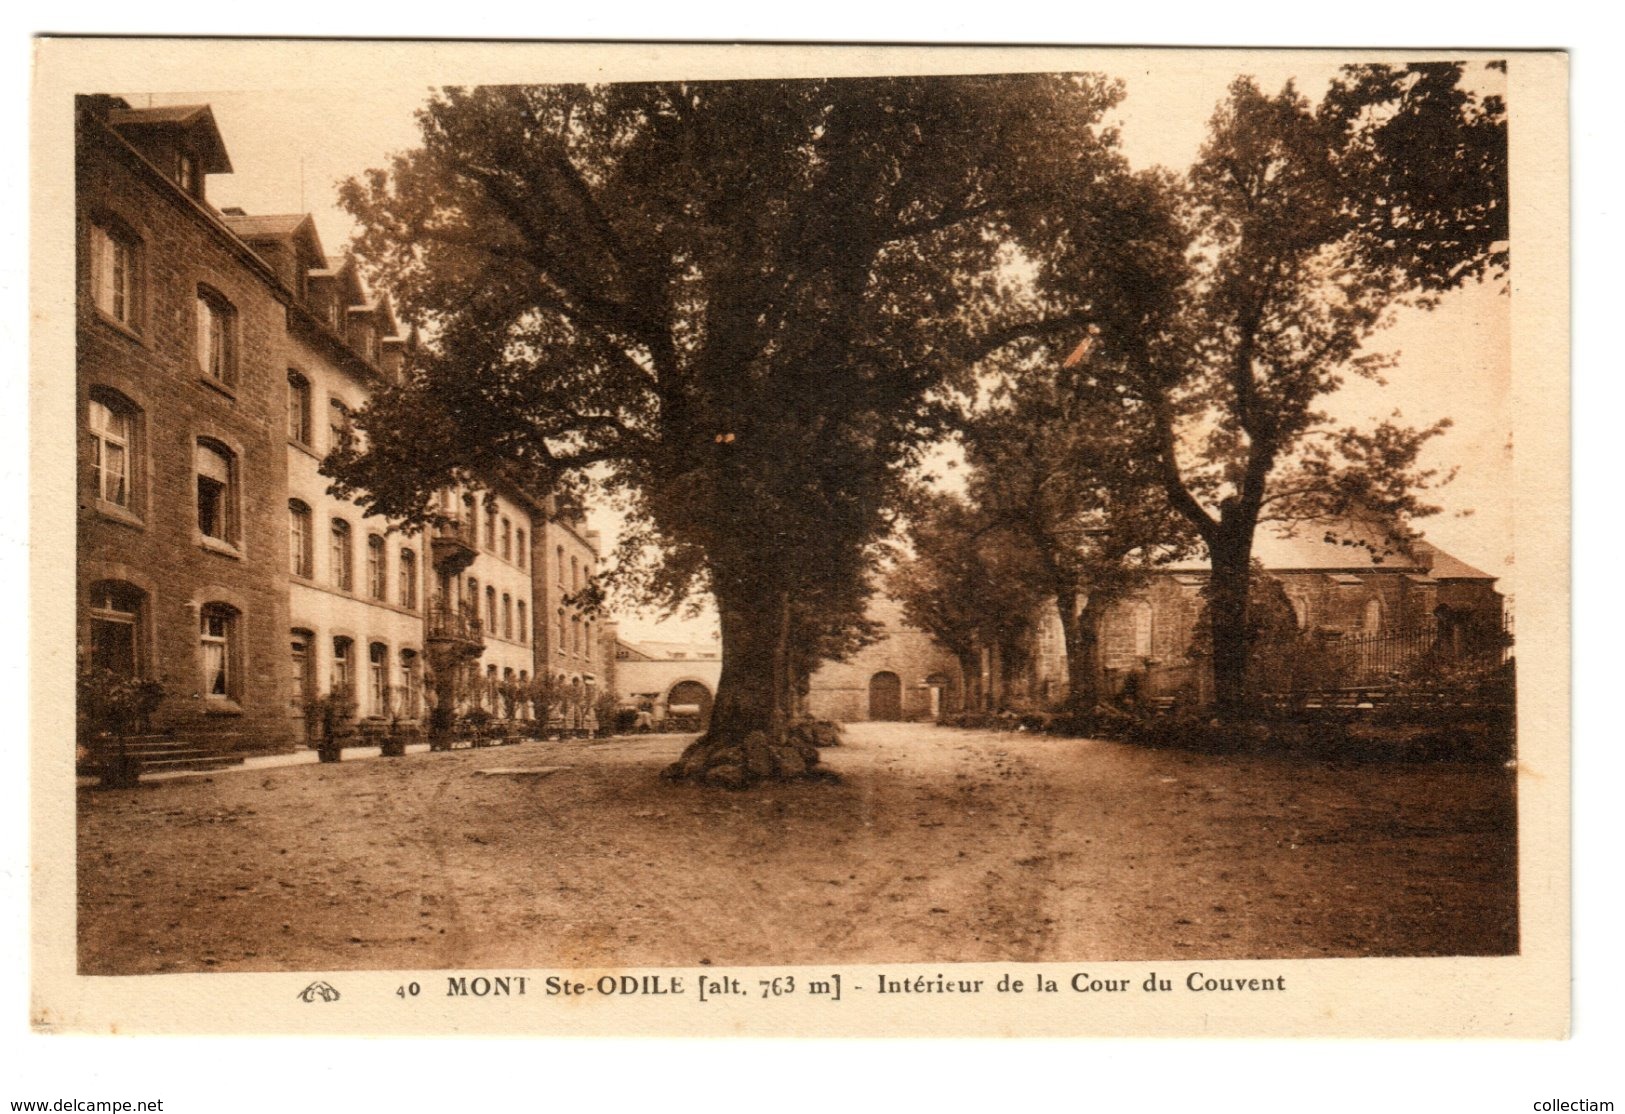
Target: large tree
[(737, 300), (1244, 294)]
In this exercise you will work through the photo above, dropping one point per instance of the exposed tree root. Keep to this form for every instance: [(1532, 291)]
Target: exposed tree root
[(738, 762)]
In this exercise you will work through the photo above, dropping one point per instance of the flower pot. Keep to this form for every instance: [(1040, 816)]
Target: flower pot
[(121, 771)]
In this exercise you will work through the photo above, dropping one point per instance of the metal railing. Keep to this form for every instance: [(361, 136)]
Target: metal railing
[(448, 623)]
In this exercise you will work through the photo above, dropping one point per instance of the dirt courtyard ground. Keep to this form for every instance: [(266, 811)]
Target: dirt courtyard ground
[(937, 846)]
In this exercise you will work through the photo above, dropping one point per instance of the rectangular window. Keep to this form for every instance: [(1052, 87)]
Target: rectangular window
[(523, 555), (112, 274), (216, 343), (408, 700), (299, 660), (409, 579), (339, 555), (507, 540), (339, 428), (214, 493), (298, 408), (216, 645), (378, 671), (376, 587), (110, 453), (343, 681), (524, 623), (115, 618), (299, 538)]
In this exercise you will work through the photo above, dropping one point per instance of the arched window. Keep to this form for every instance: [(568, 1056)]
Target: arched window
[(471, 603), (298, 408), (340, 556), (117, 615), (507, 539), (409, 579), (218, 642), (491, 609), (111, 424), (1371, 619), (522, 556), (216, 337), (561, 647), (377, 577), (524, 623), (575, 634), (575, 575), (507, 615), (561, 566), (217, 487), (299, 539), (1140, 614), (491, 529)]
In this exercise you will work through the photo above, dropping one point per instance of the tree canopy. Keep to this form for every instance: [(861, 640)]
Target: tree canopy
[(1263, 273), (741, 301)]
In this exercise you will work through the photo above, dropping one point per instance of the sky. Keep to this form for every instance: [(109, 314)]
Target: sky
[(291, 148)]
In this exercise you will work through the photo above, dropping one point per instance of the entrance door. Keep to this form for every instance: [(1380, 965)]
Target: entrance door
[(885, 697)]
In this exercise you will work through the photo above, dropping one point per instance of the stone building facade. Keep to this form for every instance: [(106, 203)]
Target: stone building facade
[(355, 584), (569, 635), (905, 675), (674, 682), (1338, 580), (183, 466), (220, 358)]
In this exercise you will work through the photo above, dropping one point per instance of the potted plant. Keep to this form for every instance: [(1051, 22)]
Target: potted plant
[(111, 709), (475, 724), (331, 719)]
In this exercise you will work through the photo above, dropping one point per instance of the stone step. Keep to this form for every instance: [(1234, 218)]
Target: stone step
[(204, 762)]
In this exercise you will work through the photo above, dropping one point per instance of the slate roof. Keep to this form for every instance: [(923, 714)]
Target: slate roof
[(1343, 547), (198, 117)]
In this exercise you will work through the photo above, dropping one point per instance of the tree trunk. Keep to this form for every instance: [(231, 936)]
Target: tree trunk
[(1080, 631), (748, 738), (970, 681), (1227, 613)]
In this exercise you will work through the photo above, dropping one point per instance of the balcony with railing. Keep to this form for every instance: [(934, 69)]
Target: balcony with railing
[(452, 547), (458, 632)]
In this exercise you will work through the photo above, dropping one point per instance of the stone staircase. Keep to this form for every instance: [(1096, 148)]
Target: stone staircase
[(166, 754)]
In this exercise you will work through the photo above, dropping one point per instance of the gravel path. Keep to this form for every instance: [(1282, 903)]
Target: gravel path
[(937, 846)]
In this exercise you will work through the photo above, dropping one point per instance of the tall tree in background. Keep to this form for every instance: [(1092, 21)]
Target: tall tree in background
[(970, 582), (1063, 461), (1254, 285), (737, 299)]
